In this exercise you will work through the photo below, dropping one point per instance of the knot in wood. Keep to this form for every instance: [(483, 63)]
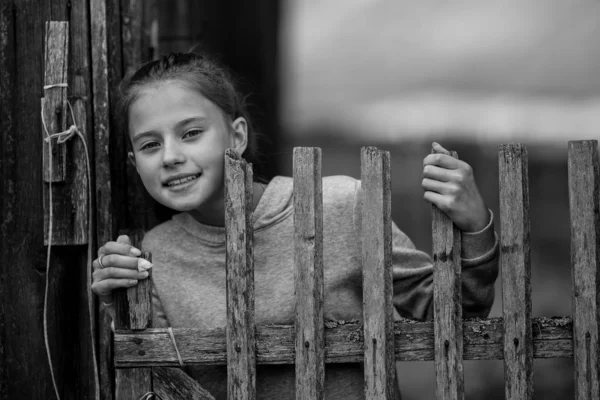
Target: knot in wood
[(238, 348), (137, 340)]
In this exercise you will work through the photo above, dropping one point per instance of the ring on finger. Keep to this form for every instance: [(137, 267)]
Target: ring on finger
[(100, 261)]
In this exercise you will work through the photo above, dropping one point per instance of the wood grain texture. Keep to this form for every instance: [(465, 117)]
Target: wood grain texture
[(308, 279), (515, 265), (133, 310), (585, 256), (447, 305), (7, 161), (414, 341), (56, 62), (70, 199), (241, 358), (376, 239), (101, 124), (174, 384), (103, 187)]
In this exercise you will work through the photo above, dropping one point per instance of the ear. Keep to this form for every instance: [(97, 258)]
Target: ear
[(239, 135), (131, 157)]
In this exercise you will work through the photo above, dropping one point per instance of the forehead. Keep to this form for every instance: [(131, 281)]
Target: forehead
[(165, 104)]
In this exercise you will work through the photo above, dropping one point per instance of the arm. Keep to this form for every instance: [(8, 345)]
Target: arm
[(413, 274)]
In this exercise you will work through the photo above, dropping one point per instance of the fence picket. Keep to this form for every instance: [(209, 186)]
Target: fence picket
[(133, 310), (516, 271), (308, 259), (377, 274), (447, 303), (241, 356), (585, 256)]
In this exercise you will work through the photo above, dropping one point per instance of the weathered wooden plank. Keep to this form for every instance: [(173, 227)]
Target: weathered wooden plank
[(55, 110), (133, 310), (174, 384), (308, 260), (447, 305), (241, 359), (101, 107), (132, 383), (377, 274), (103, 189), (414, 341), (585, 257), (7, 163), (515, 265)]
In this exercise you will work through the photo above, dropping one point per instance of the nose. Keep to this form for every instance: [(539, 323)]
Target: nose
[(172, 154)]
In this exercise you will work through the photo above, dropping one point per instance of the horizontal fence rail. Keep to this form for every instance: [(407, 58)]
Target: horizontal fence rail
[(483, 340), (378, 341)]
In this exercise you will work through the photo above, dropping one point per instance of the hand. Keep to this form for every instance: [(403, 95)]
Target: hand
[(121, 268), (449, 184)]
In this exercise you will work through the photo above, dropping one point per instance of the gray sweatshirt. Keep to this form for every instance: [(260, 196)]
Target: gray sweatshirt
[(189, 278)]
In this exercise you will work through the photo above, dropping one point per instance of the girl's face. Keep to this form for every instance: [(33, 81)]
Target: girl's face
[(179, 140)]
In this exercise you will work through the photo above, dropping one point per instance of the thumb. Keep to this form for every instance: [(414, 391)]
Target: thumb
[(124, 239), (438, 148)]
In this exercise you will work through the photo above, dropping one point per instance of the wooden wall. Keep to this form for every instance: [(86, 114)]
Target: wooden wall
[(108, 38)]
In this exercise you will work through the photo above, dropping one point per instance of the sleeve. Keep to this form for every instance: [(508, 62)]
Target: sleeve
[(412, 272)]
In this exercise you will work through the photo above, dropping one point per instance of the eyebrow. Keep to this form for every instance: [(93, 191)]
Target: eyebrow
[(181, 123)]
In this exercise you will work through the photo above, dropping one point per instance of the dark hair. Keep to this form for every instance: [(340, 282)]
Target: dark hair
[(198, 72)]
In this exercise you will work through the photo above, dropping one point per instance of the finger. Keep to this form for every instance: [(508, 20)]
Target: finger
[(442, 188), (124, 239), (442, 160), (119, 248), (438, 148), (119, 261), (118, 273), (439, 174), (438, 200), (104, 289)]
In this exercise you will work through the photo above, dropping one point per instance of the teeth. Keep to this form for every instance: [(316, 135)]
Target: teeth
[(183, 180)]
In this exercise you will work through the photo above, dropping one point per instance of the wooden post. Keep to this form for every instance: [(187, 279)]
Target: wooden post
[(103, 198), (55, 110), (447, 306), (241, 349), (585, 256), (133, 310), (515, 265), (377, 274), (70, 205), (308, 260)]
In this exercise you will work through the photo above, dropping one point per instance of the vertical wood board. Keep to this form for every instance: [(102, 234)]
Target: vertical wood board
[(515, 266), (585, 246), (308, 279), (376, 238), (447, 305), (241, 347)]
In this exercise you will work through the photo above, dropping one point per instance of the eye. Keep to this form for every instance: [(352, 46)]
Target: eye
[(192, 133), (149, 145)]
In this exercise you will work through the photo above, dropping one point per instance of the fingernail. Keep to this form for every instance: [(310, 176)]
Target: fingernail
[(435, 143), (133, 282), (143, 274), (143, 264), (135, 252)]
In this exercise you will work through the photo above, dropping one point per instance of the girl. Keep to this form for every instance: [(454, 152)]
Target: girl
[(182, 113)]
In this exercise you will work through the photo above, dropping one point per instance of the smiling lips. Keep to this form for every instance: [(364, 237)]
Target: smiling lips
[(179, 181)]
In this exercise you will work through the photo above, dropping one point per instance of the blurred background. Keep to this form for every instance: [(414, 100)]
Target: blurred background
[(341, 74)]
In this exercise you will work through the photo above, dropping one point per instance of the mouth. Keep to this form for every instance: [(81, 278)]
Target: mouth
[(182, 180)]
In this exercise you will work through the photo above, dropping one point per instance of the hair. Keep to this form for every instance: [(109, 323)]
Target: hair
[(200, 73)]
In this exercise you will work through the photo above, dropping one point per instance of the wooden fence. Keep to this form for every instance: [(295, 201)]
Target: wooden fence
[(141, 353)]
